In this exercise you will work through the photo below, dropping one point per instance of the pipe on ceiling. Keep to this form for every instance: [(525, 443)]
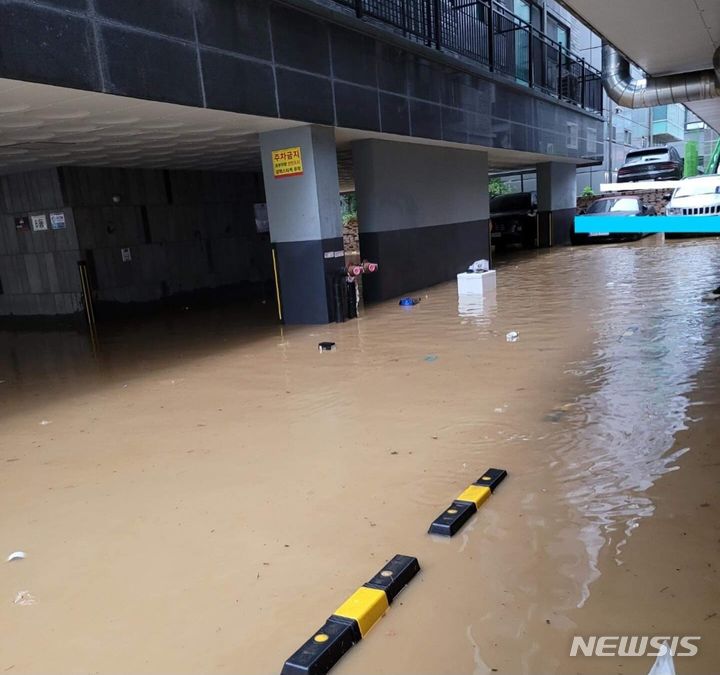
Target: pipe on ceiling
[(648, 92)]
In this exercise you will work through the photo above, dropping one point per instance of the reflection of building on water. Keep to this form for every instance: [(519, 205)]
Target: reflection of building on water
[(652, 343), (480, 308)]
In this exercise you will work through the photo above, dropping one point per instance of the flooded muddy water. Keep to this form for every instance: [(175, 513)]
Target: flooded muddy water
[(204, 491)]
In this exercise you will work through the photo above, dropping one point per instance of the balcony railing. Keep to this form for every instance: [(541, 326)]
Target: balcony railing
[(487, 33)]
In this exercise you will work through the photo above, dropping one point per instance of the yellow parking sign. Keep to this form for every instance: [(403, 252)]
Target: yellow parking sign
[(287, 162)]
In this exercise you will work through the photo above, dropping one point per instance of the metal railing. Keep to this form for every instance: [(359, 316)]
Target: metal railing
[(489, 34)]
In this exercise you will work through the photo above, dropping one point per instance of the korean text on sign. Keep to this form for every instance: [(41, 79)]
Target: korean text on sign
[(287, 162)]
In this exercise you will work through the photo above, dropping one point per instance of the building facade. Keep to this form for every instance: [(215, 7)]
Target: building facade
[(625, 129), (421, 100)]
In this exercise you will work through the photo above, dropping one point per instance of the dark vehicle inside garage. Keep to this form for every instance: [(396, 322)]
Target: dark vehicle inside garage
[(514, 220)]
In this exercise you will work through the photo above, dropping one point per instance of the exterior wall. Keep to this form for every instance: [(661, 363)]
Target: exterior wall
[(658, 199), (423, 213), (38, 269), (185, 230), (265, 58)]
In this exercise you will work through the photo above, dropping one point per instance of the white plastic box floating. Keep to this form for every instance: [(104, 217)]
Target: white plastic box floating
[(476, 283)]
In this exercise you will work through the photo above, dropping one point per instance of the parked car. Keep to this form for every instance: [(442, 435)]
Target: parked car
[(614, 206), (514, 219), (697, 196), (651, 164)]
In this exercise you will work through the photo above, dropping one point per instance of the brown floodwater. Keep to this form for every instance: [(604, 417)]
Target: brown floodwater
[(201, 492)]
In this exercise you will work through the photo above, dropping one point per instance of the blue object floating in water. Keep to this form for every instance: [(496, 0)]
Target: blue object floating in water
[(409, 302), (431, 358)]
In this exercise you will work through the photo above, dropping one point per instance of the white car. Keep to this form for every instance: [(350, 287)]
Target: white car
[(698, 196)]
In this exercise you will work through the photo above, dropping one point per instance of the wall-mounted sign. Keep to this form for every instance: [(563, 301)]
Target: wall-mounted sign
[(57, 221), (287, 162), (262, 223), (22, 223), (126, 255), (39, 223)]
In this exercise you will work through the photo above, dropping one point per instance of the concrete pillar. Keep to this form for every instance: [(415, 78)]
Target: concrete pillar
[(557, 202), (423, 213), (305, 222)]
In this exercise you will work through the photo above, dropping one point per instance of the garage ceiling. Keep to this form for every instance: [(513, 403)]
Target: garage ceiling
[(660, 36), (43, 126)]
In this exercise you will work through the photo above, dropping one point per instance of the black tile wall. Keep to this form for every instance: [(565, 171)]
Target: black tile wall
[(356, 107), (237, 84), (75, 5), (46, 46), (264, 58), (235, 26), (424, 79), (145, 66), (392, 68), (394, 114), (300, 40), (353, 57), (425, 119), (454, 125), (304, 97), (175, 18)]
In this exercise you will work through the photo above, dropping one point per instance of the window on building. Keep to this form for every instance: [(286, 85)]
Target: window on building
[(558, 31), (573, 132), (591, 141), (628, 137), (659, 113)]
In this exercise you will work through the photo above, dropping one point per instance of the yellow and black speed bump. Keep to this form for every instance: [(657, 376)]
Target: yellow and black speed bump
[(395, 576), (353, 619), (467, 503), (492, 478)]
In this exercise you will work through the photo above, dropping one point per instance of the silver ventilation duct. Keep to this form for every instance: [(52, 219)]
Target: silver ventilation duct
[(628, 92)]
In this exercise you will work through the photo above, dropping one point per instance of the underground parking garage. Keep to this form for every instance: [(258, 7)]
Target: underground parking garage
[(219, 476)]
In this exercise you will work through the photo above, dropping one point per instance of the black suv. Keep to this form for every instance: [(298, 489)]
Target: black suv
[(513, 218), (651, 164)]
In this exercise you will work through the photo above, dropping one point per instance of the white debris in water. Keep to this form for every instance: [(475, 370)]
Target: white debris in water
[(512, 336), (499, 410), (664, 662), (16, 555), (44, 423), (24, 598)]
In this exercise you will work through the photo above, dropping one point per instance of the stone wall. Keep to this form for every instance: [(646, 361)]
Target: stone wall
[(656, 198)]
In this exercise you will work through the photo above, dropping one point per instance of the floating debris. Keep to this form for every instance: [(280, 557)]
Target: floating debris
[(24, 598)]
